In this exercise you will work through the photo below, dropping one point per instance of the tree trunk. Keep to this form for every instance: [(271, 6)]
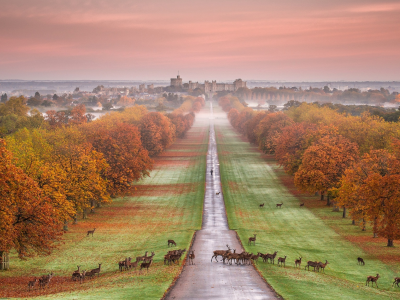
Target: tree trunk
[(92, 206), (390, 243), (328, 200), (363, 228), (375, 235), (75, 219), (322, 196), (65, 225), (344, 211), (84, 214), (98, 205), (353, 222)]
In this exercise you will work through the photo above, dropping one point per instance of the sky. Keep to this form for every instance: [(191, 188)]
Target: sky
[(292, 40)]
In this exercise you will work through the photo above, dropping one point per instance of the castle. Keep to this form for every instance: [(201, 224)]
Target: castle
[(208, 87)]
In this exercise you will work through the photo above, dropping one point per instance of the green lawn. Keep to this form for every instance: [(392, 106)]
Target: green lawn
[(168, 205), (248, 180)]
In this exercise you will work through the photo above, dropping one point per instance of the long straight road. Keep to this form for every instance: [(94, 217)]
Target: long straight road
[(206, 280)]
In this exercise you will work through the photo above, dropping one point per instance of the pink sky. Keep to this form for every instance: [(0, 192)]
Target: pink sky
[(311, 40)]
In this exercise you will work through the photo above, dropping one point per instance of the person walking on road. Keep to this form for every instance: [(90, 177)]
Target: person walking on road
[(211, 171)]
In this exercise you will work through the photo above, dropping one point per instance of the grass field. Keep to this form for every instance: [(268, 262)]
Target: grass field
[(249, 179), (168, 205)]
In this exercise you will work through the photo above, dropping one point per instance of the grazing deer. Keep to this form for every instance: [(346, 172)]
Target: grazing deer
[(90, 232), (279, 205), (310, 263), (297, 262), (96, 271), (396, 281), (360, 261), (191, 258), (146, 265), (217, 193), (262, 205), (32, 283), (322, 266), (282, 260), (220, 253), (271, 257), (301, 204), (252, 239), (172, 242), (372, 279)]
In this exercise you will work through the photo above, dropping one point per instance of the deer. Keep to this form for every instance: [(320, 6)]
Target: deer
[(322, 266), (89, 274), (97, 270), (148, 258), (121, 264), (252, 239), (301, 204), (172, 242), (191, 258), (271, 257), (297, 262), (217, 193), (220, 253), (140, 258), (396, 281), (262, 205), (279, 205), (360, 261), (45, 280), (372, 279), (254, 258), (310, 263), (82, 276), (32, 283), (76, 273), (146, 265), (127, 263), (282, 260), (90, 232)]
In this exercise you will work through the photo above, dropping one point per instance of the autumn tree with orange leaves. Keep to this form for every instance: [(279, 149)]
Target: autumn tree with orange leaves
[(157, 132), (28, 221), (370, 189), (324, 163)]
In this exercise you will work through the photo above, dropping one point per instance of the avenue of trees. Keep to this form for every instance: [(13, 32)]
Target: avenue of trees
[(55, 167), (352, 161)]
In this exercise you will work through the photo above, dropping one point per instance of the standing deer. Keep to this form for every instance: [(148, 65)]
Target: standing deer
[(322, 266), (82, 276), (220, 253), (297, 262), (310, 263), (252, 239), (191, 258), (262, 205), (396, 281), (45, 280), (301, 204), (140, 258), (90, 232), (279, 205), (76, 273), (282, 261), (217, 193), (146, 265), (32, 283), (96, 271), (172, 242), (148, 258), (372, 279), (360, 261), (271, 257)]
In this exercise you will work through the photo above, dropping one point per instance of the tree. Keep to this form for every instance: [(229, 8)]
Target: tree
[(28, 222), (4, 97), (251, 125), (370, 189), (37, 95), (107, 106), (272, 108), (324, 163), (34, 101), (157, 132), (15, 106), (126, 101)]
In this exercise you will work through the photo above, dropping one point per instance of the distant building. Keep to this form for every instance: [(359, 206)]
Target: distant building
[(177, 82), (208, 86)]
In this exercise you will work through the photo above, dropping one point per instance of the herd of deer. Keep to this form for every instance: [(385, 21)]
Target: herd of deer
[(128, 264)]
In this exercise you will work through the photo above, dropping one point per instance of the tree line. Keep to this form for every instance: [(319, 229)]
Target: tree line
[(57, 166), (352, 161)]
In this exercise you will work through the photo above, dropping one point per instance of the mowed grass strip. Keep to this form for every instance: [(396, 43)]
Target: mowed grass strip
[(249, 180), (167, 205)]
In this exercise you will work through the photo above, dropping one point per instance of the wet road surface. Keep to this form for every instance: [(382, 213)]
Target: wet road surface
[(206, 280)]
